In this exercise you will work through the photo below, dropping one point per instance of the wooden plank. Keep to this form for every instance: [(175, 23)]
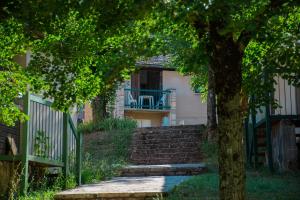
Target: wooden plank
[(78, 157), (12, 145), (10, 157), (40, 100), (54, 163), (246, 124), (268, 128), (254, 135), (72, 126), (6, 131), (25, 152), (281, 117), (65, 146), (284, 146)]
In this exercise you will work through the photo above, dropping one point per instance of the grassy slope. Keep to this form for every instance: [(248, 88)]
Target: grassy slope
[(106, 148), (105, 153), (259, 186)]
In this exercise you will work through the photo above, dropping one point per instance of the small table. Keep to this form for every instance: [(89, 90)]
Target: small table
[(149, 98)]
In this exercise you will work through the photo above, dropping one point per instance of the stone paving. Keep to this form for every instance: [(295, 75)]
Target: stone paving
[(164, 170), (124, 188)]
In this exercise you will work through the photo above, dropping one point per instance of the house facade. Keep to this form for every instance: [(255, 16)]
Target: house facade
[(157, 96)]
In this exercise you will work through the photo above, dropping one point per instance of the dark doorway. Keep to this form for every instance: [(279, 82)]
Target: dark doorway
[(146, 87), (147, 79)]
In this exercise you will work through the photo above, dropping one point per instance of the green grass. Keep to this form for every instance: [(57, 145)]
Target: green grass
[(46, 188), (259, 186), (40, 195), (106, 148)]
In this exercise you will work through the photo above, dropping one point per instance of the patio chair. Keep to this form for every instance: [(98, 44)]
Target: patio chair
[(162, 101), (132, 101)]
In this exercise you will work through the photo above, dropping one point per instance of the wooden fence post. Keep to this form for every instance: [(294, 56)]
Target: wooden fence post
[(269, 138), (268, 125), (25, 140), (254, 131), (246, 127), (78, 157), (65, 148)]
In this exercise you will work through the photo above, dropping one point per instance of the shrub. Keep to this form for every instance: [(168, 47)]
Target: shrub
[(108, 124)]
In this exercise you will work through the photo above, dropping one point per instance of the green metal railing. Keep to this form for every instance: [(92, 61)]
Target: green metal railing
[(147, 99), (49, 138)]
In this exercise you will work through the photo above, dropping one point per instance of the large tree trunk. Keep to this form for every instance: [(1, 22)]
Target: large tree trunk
[(99, 108), (211, 107), (227, 64)]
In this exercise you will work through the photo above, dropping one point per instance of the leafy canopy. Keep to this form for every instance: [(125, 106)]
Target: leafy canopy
[(79, 49), (13, 80), (267, 32)]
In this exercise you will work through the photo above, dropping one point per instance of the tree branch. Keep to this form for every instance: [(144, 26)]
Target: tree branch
[(261, 20)]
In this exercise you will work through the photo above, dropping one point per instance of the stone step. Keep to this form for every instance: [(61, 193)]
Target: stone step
[(181, 150), (163, 160), (164, 170), (163, 136), (139, 146), (181, 127), (167, 131), (167, 145), (167, 141), (155, 161), (124, 188)]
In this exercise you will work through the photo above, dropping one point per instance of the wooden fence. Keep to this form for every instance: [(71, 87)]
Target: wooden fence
[(48, 138)]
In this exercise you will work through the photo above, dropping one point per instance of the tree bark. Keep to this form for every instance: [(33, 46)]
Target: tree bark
[(99, 108), (227, 66), (211, 107)]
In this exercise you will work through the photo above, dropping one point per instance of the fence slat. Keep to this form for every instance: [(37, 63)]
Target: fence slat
[(25, 139), (78, 157), (65, 146)]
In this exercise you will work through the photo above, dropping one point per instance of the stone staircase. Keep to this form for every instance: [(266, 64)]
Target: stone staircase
[(161, 158), (167, 145)]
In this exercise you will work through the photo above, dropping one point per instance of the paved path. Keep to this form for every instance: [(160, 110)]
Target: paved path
[(172, 166), (124, 187), (164, 170)]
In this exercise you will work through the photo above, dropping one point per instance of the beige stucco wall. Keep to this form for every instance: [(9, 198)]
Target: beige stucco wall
[(154, 117), (189, 107), (88, 113)]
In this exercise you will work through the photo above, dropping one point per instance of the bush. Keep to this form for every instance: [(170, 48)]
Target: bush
[(108, 124)]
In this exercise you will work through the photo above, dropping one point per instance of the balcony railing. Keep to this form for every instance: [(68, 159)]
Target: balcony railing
[(147, 99)]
